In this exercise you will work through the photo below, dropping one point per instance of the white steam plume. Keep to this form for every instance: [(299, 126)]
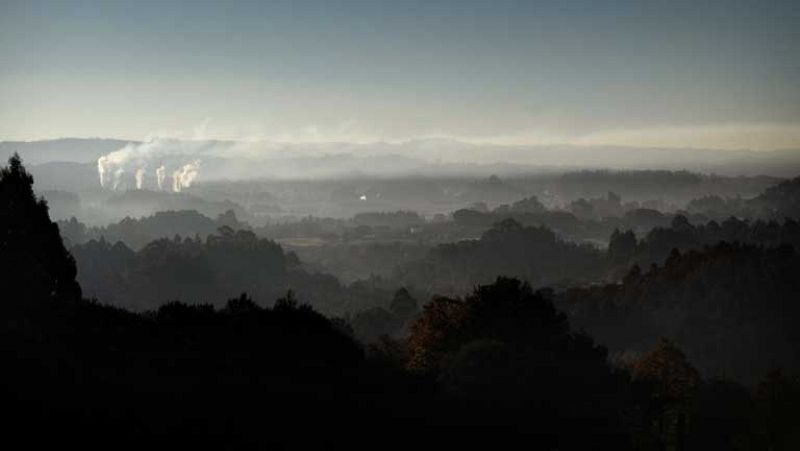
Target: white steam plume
[(101, 170), (139, 178), (127, 165), (183, 177), (118, 173)]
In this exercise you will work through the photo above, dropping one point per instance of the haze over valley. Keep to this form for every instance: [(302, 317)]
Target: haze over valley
[(407, 225)]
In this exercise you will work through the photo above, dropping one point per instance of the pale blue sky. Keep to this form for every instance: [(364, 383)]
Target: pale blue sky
[(673, 73)]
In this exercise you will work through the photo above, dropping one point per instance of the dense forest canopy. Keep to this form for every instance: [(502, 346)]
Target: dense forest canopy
[(732, 307)]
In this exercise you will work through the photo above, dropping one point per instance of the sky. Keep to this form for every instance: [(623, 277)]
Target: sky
[(712, 74)]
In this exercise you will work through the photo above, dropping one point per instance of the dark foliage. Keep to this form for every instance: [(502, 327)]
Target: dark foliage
[(534, 254), (499, 366), (136, 233), (732, 307), (33, 260), (505, 347), (777, 202), (657, 244), (195, 270)]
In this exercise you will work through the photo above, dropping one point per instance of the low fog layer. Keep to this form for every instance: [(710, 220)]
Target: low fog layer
[(173, 165), (101, 181)]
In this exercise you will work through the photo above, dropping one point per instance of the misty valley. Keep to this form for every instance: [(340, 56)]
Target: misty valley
[(629, 306), (557, 225)]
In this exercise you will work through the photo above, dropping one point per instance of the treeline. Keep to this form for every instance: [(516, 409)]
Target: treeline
[(229, 261), (733, 307), (377, 244), (593, 218), (584, 220), (196, 270), (544, 258), (624, 247), (776, 202), (136, 233), (535, 254), (654, 184)]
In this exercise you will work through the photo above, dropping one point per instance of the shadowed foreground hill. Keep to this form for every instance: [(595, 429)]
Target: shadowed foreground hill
[(79, 372)]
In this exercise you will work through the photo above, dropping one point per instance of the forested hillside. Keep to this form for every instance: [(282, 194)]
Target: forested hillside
[(210, 339)]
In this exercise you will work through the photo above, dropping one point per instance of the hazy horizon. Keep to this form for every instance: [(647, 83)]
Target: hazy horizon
[(421, 224), (720, 75), (443, 139)]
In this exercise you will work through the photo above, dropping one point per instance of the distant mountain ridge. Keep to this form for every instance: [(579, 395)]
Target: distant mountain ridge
[(430, 156)]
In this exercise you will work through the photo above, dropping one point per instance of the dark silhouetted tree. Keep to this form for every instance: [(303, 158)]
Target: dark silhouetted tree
[(33, 260), (671, 381), (506, 345), (403, 305), (622, 246), (778, 406)]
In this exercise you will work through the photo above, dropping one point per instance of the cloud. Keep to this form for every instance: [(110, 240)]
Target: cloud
[(728, 136), (724, 136)]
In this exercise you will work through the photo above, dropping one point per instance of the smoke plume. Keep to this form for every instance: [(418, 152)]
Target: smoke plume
[(169, 156), (139, 178), (183, 177)]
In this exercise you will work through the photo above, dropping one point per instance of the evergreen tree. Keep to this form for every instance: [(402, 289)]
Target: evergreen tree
[(33, 261)]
